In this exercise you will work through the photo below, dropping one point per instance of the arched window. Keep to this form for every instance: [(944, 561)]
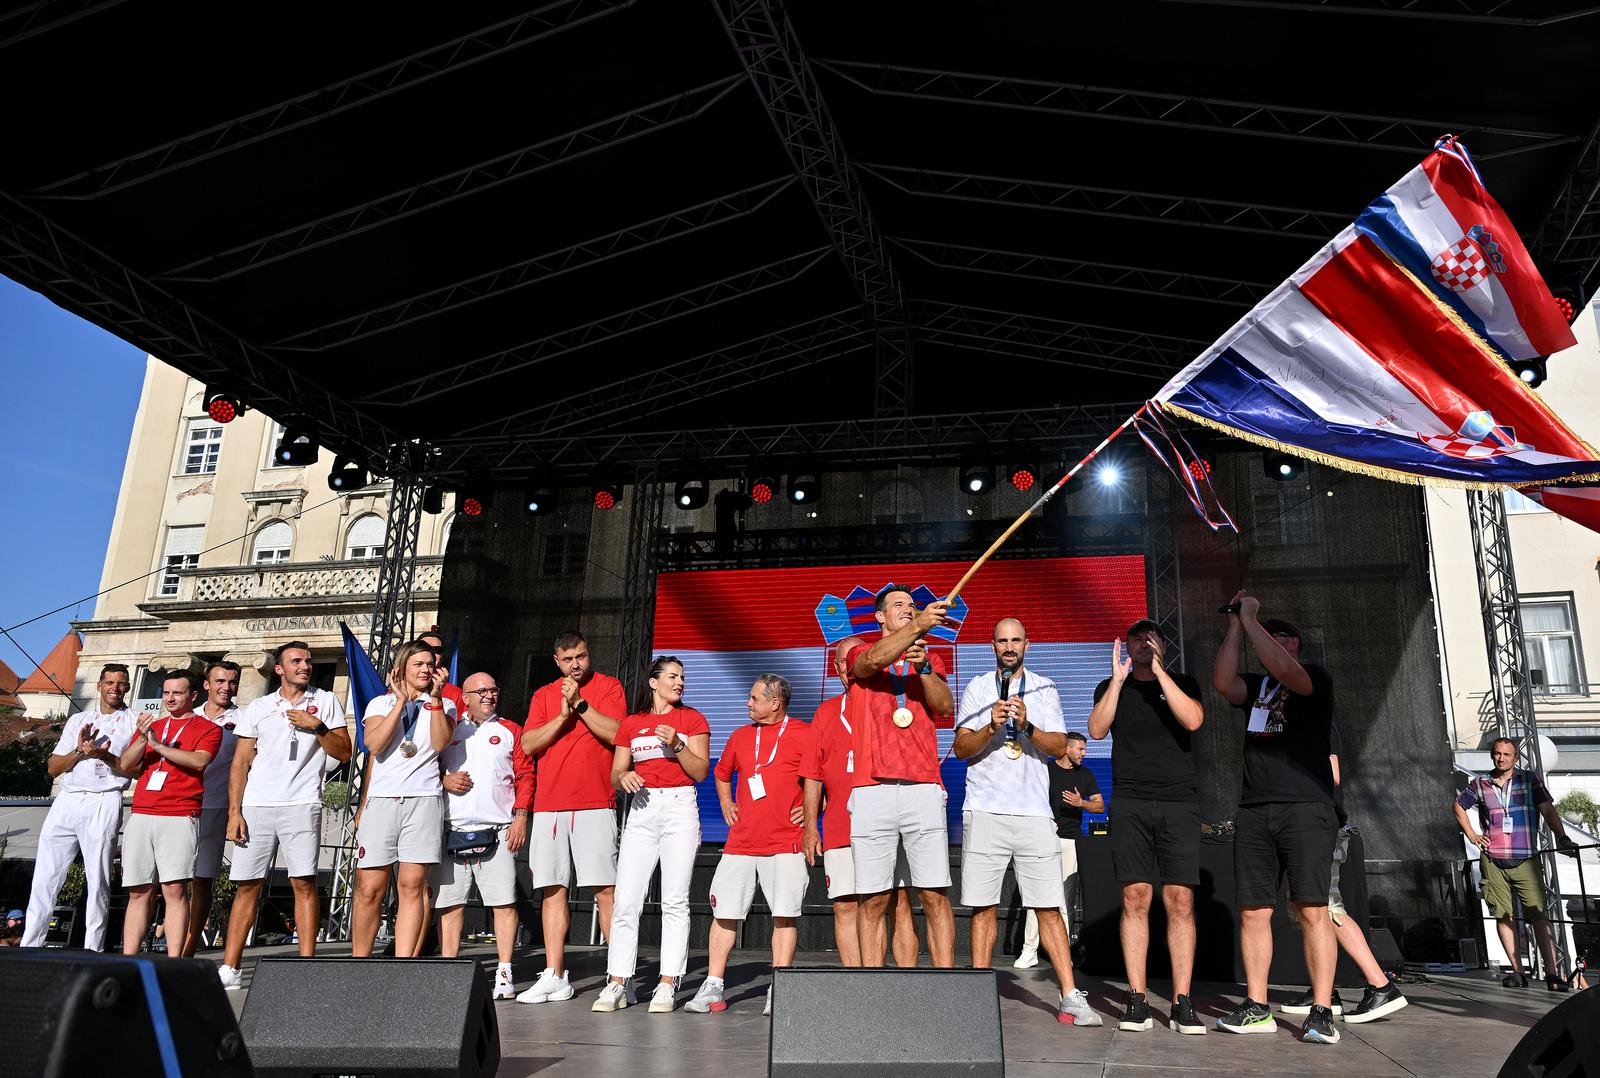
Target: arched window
[(444, 534), (365, 538), (273, 544)]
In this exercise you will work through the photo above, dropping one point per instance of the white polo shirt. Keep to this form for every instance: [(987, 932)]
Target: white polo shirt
[(216, 773), (112, 732), (488, 753), (289, 763), (393, 773), (995, 782)]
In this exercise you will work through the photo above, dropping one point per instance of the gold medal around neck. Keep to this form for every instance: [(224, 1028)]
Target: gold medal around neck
[(903, 717), (408, 749), (1014, 749)]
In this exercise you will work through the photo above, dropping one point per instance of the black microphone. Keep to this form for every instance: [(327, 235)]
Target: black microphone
[(1005, 692), (1231, 608)]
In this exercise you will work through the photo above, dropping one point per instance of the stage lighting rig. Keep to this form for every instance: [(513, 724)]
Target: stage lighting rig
[(539, 498), (607, 493), (977, 479), (805, 488), (1023, 477), (1533, 372), (433, 500), (1109, 474), (1282, 466), (222, 405), (297, 447), (475, 499), (346, 475), (691, 493), (763, 488)]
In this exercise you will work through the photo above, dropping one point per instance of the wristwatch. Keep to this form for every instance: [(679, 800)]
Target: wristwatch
[(925, 668), (583, 706), (320, 729), (680, 744), (1027, 727)]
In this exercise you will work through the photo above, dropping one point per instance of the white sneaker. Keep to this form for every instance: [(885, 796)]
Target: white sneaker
[(1027, 959), (709, 998), (768, 1008), (664, 998), (613, 997), (231, 978), (504, 987), (547, 989), (1074, 1010)]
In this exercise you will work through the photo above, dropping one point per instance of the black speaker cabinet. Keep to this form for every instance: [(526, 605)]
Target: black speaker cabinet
[(887, 1023), (70, 1013), (1563, 1044), (378, 1017)]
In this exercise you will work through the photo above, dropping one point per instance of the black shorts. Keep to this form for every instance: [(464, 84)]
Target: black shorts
[(1294, 837), (1155, 841)]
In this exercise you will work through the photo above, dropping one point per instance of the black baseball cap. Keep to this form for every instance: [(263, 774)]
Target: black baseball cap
[(1279, 627), (1145, 625)]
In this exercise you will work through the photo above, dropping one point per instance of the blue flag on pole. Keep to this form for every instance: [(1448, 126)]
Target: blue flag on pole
[(366, 685)]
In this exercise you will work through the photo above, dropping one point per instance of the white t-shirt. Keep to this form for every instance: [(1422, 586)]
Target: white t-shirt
[(113, 732), (488, 753), (995, 782), (289, 763), (216, 773), (393, 773)]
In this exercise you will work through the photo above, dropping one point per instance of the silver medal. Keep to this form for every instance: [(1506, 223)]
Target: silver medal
[(408, 749)]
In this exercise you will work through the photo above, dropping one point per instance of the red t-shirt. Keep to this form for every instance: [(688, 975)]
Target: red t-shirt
[(453, 694), (654, 763), (883, 750), (764, 827), (183, 790), (830, 759), (574, 770)]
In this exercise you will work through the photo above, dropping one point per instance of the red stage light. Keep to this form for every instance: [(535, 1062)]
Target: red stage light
[(472, 507), (760, 493), (1023, 477), (1564, 305), (604, 499), (222, 411), (1199, 469)]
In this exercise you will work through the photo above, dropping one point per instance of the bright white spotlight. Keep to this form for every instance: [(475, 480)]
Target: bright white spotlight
[(1109, 474), (1286, 469)]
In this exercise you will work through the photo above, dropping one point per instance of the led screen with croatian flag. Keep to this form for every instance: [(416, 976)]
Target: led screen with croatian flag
[(730, 626)]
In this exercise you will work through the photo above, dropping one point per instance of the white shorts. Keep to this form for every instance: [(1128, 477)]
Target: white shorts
[(1028, 843), (158, 848), (409, 829), (839, 872), (496, 877), (208, 846), (296, 829), (584, 840), (895, 816), (783, 878)]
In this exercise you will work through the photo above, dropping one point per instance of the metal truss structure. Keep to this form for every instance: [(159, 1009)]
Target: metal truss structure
[(391, 626), (1510, 685), (1112, 202), (639, 581), (29, 20), (1570, 236), (455, 185), (1494, 12), (1257, 118), (1162, 566), (1102, 348), (766, 45), (362, 89), (1228, 291)]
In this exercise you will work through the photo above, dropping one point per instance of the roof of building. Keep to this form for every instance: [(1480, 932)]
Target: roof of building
[(8, 687), (58, 670)]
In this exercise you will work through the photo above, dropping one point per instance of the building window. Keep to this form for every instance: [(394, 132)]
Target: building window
[(365, 538), (273, 544), (181, 552), (1521, 503), (1550, 634), (203, 449)]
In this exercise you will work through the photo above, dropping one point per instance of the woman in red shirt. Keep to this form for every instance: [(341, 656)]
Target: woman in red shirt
[(661, 753)]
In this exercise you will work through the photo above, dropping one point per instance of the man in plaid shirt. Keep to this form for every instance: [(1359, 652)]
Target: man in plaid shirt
[(1508, 800)]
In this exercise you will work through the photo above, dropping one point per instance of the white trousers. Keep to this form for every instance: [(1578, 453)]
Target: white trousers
[(663, 826), (86, 822), (1069, 884)]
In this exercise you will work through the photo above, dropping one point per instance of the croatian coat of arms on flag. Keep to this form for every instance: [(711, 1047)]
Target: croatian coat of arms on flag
[(1479, 438), (1461, 265)]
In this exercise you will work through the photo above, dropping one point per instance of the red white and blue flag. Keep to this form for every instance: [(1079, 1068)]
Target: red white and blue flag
[(1384, 353)]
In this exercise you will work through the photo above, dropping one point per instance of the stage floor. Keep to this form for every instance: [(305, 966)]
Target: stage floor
[(1463, 1025)]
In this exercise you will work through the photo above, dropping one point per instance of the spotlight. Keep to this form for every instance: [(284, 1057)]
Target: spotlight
[(691, 493), (223, 406), (539, 498), (607, 494), (1531, 371), (977, 479), (475, 499), (1109, 474), (805, 488), (1024, 477), (1282, 467), (433, 501), (297, 447), (763, 488), (1566, 302), (346, 475)]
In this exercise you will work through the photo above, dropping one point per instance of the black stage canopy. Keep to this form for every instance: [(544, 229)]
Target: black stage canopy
[(591, 232)]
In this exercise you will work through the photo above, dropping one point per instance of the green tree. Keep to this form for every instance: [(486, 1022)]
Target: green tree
[(22, 767), (1579, 804)]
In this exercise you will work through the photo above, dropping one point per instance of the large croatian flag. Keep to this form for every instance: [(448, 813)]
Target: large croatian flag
[(728, 627), (1376, 359)]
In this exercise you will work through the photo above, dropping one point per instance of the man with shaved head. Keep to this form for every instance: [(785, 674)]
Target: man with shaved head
[(829, 769), (488, 784)]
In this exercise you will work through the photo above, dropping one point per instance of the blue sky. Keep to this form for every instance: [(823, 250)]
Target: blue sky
[(72, 391)]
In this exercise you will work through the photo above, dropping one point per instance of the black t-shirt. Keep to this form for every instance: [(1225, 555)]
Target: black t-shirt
[(1289, 760), (1069, 818), (1151, 755)]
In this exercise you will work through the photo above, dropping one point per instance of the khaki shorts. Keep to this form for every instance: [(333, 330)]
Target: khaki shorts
[(580, 842), (495, 875), (406, 829), (894, 820), (783, 878), (158, 849), (1499, 884), (296, 830)]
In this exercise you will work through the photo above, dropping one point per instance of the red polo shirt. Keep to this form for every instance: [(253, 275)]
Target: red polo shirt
[(829, 758), (183, 790), (773, 752), (884, 751), (574, 770)]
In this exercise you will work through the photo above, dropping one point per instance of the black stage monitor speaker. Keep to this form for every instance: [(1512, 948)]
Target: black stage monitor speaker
[(71, 1013), (377, 1017), (887, 1023), (1565, 1043)]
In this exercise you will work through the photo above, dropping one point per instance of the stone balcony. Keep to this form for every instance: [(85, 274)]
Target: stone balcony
[(303, 586)]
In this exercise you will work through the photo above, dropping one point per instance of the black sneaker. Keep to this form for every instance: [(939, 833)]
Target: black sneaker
[(1136, 1019), (1320, 1027), (1377, 1002), (1301, 1004), (1248, 1017), (1184, 1020), (1514, 980)]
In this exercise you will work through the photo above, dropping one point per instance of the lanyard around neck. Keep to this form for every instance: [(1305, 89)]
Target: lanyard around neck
[(776, 742)]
